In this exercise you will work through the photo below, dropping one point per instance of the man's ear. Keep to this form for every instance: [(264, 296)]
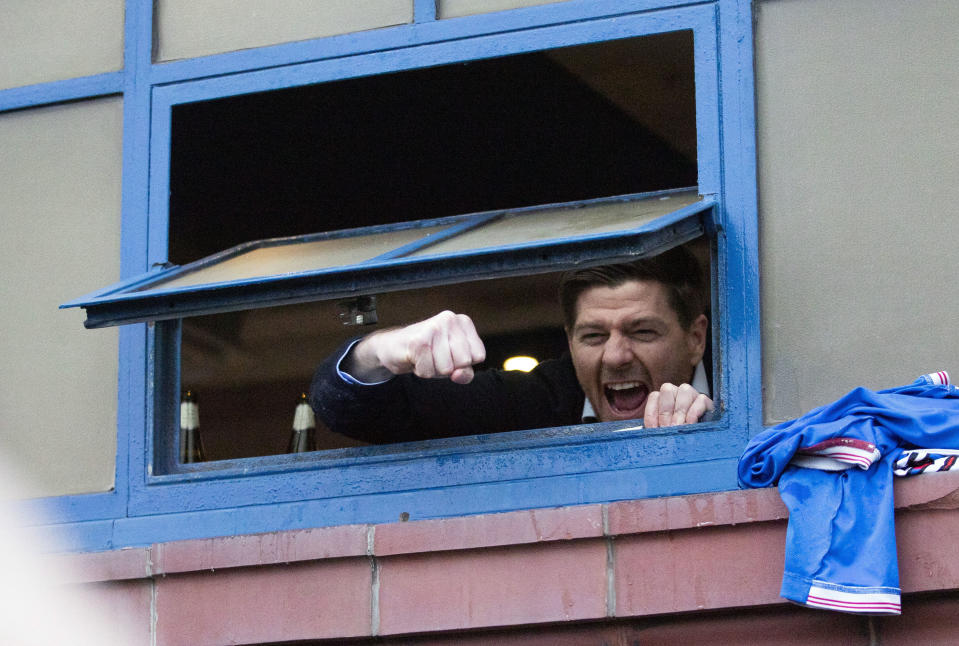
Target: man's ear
[(696, 339)]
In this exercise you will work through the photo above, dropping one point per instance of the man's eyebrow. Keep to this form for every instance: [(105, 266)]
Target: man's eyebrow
[(588, 327), (647, 320), (636, 322), (588, 324)]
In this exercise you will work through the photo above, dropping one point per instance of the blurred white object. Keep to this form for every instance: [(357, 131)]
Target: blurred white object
[(38, 604)]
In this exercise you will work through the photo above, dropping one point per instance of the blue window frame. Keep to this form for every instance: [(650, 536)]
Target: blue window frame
[(444, 477)]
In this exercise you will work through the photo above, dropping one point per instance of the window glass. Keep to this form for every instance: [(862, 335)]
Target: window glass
[(299, 256), (564, 222)]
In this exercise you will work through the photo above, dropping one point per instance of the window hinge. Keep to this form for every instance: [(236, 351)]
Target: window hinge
[(358, 311)]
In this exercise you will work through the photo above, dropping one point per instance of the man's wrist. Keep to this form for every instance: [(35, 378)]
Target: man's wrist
[(355, 366)]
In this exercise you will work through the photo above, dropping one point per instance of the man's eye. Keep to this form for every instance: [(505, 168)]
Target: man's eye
[(594, 338), (645, 334)]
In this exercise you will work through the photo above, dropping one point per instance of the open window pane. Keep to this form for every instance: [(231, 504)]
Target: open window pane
[(305, 269), (295, 256), (565, 222)]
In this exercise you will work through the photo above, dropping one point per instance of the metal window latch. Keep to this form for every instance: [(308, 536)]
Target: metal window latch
[(358, 311)]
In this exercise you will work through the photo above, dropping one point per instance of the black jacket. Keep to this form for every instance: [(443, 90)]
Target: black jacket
[(408, 408)]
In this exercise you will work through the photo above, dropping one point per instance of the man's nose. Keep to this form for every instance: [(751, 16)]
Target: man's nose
[(617, 351)]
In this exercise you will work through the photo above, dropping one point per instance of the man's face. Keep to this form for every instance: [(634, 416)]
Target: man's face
[(627, 342)]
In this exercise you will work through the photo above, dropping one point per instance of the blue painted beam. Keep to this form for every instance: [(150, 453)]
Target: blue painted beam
[(424, 11), (85, 87), (381, 470), (741, 289), (444, 502)]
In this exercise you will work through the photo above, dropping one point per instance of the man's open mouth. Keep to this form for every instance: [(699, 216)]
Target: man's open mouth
[(626, 397)]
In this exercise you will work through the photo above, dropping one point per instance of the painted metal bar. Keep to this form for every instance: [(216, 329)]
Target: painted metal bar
[(85, 87), (695, 17), (741, 285), (135, 346), (84, 536), (555, 491), (473, 222), (132, 283), (416, 467), (424, 11), (158, 222), (706, 70), (73, 508), (657, 441)]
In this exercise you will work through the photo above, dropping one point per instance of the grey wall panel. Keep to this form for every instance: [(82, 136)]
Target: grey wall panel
[(456, 8), (187, 28), (858, 128), (60, 182), (59, 39)]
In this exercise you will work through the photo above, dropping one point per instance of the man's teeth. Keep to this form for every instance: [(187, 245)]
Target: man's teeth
[(626, 385)]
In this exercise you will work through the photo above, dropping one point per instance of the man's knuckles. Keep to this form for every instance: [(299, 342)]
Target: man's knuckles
[(669, 389), (674, 405)]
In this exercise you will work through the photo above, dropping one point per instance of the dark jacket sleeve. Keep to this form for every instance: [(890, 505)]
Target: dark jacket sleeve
[(408, 408)]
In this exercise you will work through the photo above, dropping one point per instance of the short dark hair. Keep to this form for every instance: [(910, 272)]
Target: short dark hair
[(677, 269)]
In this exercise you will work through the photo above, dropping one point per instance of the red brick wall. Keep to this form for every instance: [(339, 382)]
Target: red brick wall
[(699, 569)]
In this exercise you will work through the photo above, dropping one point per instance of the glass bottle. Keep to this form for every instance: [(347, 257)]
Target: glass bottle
[(191, 445), (303, 437)]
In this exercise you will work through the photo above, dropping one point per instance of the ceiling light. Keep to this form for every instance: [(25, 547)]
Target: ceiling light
[(520, 363)]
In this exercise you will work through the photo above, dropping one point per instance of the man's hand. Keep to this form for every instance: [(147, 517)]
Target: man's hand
[(674, 405), (445, 345)]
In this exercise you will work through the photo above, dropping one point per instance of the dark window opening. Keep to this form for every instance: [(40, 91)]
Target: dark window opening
[(569, 124)]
